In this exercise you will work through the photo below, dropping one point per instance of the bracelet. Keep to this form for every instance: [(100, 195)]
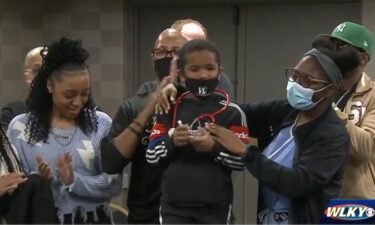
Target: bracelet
[(138, 123), (132, 129)]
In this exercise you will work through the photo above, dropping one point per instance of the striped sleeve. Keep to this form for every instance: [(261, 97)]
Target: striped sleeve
[(160, 147), (229, 160), (239, 127)]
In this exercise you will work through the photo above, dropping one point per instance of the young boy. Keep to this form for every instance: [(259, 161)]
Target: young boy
[(197, 185)]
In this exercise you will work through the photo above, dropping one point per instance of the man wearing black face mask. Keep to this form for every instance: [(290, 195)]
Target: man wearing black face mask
[(166, 48), (128, 138)]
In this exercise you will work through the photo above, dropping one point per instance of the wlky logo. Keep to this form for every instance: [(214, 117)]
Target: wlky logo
[(345, 211)]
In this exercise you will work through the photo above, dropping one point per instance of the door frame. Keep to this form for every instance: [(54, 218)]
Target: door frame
[(131, 9)]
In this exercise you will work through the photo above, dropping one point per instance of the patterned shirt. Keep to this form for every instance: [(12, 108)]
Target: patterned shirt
[(91, 187)]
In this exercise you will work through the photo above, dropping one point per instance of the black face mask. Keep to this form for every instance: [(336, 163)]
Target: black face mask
[(201, 88), (162, 67)]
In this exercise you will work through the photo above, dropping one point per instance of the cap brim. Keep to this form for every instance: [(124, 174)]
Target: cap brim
[(324, 35), (334, 37)]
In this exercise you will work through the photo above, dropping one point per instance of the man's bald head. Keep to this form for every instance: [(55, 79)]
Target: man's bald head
[(32, 64), (190, 29), (170, 38)]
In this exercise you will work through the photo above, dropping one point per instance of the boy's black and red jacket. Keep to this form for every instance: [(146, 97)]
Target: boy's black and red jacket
[(193, 178)]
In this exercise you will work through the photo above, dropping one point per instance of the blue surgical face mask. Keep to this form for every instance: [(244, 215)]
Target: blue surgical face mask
[(300, 97)]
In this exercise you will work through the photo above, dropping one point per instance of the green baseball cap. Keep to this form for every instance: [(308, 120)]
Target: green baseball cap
[(356, 35)]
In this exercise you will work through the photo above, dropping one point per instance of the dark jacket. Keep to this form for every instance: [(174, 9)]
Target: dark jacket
[(194, 178), (31, 203), (322, 148)]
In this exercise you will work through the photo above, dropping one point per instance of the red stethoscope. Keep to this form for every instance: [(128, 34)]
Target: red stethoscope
[(210, 116)]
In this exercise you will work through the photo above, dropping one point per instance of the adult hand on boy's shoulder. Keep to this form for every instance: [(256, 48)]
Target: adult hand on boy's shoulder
[(203, 142)]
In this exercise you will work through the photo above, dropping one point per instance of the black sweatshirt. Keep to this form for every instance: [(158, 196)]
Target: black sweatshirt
[(194, 178)]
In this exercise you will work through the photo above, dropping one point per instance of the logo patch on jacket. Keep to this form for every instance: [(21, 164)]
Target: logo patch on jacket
[(158, 130), (357, 110), (241, 132)]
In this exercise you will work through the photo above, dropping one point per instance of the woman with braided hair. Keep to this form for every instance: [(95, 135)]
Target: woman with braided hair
[(59, 136)]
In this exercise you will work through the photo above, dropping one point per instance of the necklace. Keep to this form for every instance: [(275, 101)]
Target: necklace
[(68, 138)]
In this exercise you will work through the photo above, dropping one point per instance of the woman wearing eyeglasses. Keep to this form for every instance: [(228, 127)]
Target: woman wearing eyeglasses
[(303, 145)]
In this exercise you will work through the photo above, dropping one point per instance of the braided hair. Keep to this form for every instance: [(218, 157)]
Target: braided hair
[(62, 55), (9, 156)]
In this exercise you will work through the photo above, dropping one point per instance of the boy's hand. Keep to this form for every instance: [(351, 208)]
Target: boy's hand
[(180, 136), (202, 142)]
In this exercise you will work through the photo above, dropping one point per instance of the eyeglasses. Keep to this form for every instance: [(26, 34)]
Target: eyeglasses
[(303, 79), (160, 53)]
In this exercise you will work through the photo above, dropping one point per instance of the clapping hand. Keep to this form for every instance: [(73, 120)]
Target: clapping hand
[(44, 169), (65, 168)]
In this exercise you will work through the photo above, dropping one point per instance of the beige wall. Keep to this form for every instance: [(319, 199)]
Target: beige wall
[(368, 20), (99, 23)]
